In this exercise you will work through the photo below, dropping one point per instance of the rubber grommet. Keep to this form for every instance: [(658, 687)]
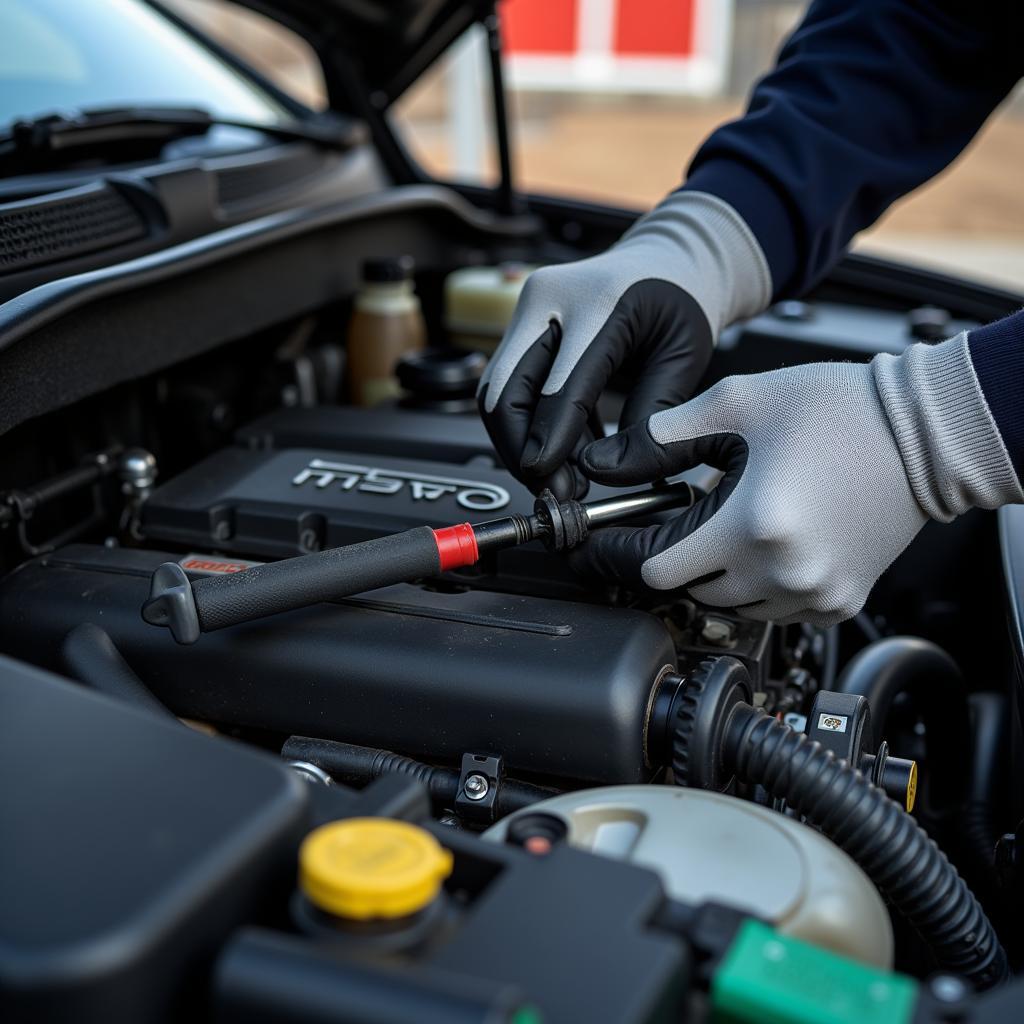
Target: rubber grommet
[(703, 706)]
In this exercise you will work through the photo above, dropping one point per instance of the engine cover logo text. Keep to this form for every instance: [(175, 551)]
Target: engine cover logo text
[(471, 494)]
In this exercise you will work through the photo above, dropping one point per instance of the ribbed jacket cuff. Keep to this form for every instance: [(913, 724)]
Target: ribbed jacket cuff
[(951, 448)]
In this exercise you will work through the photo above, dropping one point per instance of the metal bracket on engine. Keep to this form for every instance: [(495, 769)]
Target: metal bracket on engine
[(841, 722), (18, 507), (476, 799)]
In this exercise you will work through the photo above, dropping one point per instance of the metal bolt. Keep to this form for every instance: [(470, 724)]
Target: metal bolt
[(138, 471), (717, 632), (476, 787), (947, 988)]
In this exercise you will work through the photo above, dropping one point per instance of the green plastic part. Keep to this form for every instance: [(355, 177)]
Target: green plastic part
[(767, 978), (527, 1015)]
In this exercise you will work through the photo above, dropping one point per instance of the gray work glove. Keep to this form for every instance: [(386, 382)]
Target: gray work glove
[(652, 305), (830, 471)]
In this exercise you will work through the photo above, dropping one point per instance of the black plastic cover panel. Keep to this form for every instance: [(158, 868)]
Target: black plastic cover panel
[(306, 479), (557, 687), (62, 225), (131, 846), (304, 499)]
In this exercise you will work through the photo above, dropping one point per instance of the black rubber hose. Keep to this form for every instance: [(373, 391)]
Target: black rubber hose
[(902, 664), (989, 727), (895, 853), (90, 656), (356, 766)]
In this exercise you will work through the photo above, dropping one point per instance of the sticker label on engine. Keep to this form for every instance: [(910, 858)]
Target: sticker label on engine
[(210, 565), (832, 723)]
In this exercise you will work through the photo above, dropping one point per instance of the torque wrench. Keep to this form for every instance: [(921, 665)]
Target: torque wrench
[(189, 607)]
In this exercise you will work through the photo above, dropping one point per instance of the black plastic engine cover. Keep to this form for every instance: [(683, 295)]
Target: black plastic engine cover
[(558, 688), (307, 479), (287, 501), (380, 430)]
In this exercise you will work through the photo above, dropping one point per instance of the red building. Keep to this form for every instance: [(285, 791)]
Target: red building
[(661, 46)]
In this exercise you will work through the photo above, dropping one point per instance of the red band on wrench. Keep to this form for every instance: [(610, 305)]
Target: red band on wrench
[(456, 546)]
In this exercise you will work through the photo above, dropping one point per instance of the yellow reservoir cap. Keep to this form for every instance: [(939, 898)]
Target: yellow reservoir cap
[(364, 868)]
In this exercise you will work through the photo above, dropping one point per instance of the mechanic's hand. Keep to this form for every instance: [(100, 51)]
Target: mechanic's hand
[(830, 471), (653, 305)]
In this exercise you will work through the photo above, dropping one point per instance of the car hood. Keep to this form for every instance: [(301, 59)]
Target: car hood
[(389, 42)]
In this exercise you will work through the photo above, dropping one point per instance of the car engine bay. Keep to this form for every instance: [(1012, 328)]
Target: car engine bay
[(680, 785)]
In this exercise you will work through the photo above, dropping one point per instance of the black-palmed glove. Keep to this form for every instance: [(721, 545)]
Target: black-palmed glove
[(652, 305), (830, 471)]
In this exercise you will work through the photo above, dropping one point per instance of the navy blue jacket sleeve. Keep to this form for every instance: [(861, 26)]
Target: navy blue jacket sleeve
[(997, 352), (869, 99)]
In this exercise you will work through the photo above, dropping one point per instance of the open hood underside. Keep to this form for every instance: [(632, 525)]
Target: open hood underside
[(390, 42)]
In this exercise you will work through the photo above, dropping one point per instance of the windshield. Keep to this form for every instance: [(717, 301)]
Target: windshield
[(66, 54)]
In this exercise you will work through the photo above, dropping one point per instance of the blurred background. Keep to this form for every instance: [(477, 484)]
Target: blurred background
[(609, 101)]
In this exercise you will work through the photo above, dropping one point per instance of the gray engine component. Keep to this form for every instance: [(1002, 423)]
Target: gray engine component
[(706, 846)]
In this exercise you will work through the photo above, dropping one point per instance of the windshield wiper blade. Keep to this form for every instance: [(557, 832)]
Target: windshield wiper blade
[(64, 134)]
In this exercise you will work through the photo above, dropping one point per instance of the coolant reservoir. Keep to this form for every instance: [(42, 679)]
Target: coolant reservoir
[(478, 303), (706, 846), (387, 324)]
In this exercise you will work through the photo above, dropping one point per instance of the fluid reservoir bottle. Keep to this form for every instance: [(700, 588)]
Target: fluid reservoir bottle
[(387, 323), (707, 846), (373, 886), (479, 301)]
